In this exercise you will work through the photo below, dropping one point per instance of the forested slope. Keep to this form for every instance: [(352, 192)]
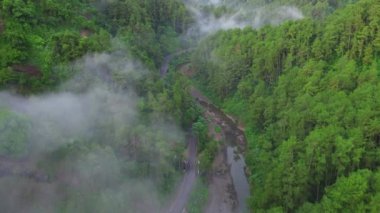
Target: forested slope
[(37, 36), (307, 92), (86, 124)]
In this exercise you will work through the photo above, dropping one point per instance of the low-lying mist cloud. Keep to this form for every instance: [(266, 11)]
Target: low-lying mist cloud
[(277, 16), (209, 19), (74, 111), (89, 116)]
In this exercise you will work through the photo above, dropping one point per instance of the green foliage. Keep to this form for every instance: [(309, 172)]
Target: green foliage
[(198, 197), (305, 91), (218, 129), (170, 98), (187, 110), (50, 32), (42, 34), (95, 170), (200, 129), (149, 28), (207, 156), (348, 193)]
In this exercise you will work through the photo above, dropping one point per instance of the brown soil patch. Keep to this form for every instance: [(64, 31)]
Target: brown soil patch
[(187, 70), (85, 33), (223, 198), (222, 194), (28, 69)]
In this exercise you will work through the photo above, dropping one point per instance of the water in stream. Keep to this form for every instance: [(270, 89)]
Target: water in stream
[(236, 161), (234, 137)]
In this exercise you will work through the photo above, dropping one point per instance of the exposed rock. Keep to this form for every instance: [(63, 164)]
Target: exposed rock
[(29, 69)]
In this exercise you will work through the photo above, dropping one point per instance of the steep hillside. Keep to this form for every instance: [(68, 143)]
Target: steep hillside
[(86, 123), (38, 36), (306, 92)]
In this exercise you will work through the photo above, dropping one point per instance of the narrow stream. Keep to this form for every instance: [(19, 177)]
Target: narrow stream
[(236, 161), (234, 136)]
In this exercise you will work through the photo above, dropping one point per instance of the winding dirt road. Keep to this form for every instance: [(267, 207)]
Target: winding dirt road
[(223, 196), (165, 64), (184, 189), (178, 204)]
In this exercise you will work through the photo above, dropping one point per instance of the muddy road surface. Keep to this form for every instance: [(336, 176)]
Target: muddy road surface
[(186, 185)]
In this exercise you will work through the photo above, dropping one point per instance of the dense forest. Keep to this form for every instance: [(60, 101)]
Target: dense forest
[(87, 124), (38, 35), (306, 92)]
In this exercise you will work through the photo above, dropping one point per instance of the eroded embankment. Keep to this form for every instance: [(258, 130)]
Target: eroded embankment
[(229, 186)]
